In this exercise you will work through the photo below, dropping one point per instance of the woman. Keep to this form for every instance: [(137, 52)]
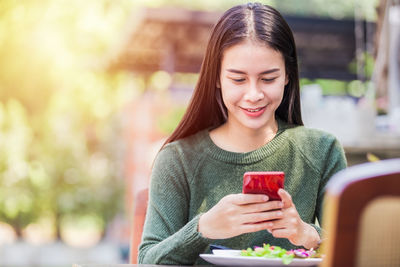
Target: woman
[(244, 116)]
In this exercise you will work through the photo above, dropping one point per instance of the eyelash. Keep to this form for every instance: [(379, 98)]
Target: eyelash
[(268, 80), (264, 80)]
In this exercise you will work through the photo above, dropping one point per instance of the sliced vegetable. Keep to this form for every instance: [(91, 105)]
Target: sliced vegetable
[(287, 256)]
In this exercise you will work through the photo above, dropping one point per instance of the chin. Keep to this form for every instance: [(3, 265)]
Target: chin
[(254, 126)]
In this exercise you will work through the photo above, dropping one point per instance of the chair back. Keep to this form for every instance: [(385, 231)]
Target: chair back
[(362, 216), (139, 215)]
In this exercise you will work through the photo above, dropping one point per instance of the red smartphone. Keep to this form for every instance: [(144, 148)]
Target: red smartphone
[(267, 183)]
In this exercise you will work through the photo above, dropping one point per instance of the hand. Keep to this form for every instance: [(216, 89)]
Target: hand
[(237, 214), (291, 226)]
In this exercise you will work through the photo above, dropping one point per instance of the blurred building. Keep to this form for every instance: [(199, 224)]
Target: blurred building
[(175, 40)]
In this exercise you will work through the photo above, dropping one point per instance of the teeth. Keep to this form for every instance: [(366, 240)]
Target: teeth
[(254, 110)]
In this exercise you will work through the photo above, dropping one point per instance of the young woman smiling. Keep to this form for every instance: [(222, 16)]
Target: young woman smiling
[(251, 93), (244, 116)]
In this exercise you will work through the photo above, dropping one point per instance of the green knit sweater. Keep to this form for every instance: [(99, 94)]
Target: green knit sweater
[(192, 174)]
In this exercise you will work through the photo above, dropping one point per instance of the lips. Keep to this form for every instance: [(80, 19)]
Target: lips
[(254, 112)]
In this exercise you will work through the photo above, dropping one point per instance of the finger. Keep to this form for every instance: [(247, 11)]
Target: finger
[(259, 217), (243, 199), (260, 207), (289, 219), (278, 224), (286, 198), (282, 233), (253, 227)]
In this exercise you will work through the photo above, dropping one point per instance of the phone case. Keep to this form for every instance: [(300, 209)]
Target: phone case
[(263, 183)]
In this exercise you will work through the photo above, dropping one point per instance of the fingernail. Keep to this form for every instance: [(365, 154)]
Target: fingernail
[(278, 213), (280, 204), (265, 198), (269, 231)]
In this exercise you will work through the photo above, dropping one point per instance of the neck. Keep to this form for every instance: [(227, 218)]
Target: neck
[(243, 140)]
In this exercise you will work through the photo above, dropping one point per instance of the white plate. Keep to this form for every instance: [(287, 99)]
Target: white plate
[(231, 258), (226, 252)]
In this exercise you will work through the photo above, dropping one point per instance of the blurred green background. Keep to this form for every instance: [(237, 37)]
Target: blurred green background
[(58, 159)]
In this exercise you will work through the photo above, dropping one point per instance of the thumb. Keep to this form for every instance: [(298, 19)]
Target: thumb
[(286, 198)]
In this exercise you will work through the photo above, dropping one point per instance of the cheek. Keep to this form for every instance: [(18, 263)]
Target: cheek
[(277, 93), (230, 96)]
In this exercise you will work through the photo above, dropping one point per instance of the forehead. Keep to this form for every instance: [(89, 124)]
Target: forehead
[(251, 56)]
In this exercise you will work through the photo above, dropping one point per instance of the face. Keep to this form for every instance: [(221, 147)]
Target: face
[(252, 82)]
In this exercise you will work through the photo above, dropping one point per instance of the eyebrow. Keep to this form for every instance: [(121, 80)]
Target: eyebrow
[(262, 73)]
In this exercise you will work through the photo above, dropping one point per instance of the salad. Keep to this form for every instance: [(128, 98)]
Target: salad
[(287, 256)]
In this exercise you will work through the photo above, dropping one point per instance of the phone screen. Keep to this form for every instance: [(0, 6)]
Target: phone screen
[(267, 183)]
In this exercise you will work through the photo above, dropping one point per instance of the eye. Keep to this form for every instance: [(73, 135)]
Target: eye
[(268, 80), (238, 80)]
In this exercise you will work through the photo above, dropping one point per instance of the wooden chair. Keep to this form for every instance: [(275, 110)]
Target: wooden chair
[(139, 215), (362, 216)]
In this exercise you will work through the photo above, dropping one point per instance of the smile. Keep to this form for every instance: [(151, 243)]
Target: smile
[(254, 112)]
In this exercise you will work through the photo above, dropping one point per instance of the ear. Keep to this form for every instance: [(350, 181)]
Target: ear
[(286, 79)]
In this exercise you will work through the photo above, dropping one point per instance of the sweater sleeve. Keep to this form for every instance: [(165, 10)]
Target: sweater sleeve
[(334, 162), (169, 237)]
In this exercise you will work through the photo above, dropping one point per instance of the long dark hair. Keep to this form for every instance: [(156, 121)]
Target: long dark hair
[(253, 20)]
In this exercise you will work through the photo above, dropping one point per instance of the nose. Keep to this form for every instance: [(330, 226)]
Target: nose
[(254, 93)]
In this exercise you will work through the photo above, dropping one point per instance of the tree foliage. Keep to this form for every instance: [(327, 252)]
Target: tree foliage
[(57, 104)]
